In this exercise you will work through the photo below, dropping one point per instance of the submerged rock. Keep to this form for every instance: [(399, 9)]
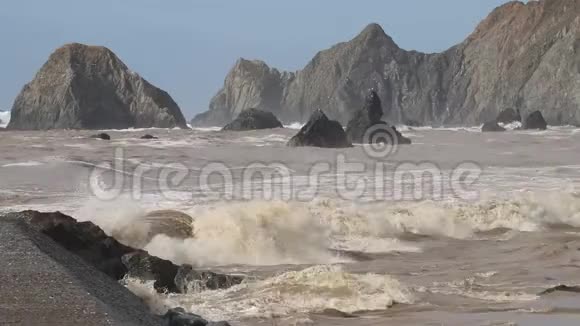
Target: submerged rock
[(172, 223), (561, 288), (535, 121), (179, 317), (149, 137), (189, 280), (320, 132), (142, 266), (89, 87), (102, 136), (413, 123), (492, 126), (509, 115), (254, 119), (366, 125)]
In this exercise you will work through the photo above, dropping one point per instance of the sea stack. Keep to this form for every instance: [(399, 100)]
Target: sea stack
[(89, 87), (535, 121), (320, 132), (254, 119), (367, 127)]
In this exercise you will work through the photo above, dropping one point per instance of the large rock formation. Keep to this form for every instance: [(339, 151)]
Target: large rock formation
[(89, 87), (535, 121), (44, 284), (508, 116), (254, 119), (492, 126), (366, 125), (320, 132), (250, 84), (116, 260), (523, 56)]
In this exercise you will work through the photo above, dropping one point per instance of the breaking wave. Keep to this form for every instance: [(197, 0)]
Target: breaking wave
[(311, 290), (324, 232)]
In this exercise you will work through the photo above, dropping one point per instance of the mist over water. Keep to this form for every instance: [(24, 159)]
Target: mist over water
[(4, 118), (450, 260)]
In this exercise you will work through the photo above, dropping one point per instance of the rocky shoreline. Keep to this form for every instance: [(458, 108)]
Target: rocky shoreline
[(53, 248)]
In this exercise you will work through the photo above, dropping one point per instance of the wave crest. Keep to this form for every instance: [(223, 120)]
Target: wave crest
[(311, 290)]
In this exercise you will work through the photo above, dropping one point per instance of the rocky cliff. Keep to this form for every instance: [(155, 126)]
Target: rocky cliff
[(89, 87), (522, 56)]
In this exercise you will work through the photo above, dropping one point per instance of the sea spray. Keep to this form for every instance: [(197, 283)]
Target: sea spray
[(254, 233), (4, 118), (273, 233), (311, 290), (122, 219)]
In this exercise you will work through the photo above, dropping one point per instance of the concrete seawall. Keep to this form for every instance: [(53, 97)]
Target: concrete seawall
[(43, 284)]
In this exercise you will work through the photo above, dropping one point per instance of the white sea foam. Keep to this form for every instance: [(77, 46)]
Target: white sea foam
[(403, 128), (511, 126), (23, 164), (255, 233), (294, 125), (264, 140), (314, 289), (4, 118), (476, 287), (207, 129), (132, 129), (273, 233)]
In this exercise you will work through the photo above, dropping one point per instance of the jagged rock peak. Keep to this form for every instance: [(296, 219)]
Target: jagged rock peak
[(89, 87), (373, 106), (523, 56), (374, 32)]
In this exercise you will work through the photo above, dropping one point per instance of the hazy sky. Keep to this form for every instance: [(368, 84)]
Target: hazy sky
[(187, 46)]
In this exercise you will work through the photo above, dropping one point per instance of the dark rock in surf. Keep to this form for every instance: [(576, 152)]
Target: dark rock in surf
[(561, 288), (254, 119), (413, 123), (42, 283), (188, 279), (172, 223), (535, 121), (366, 125), (84, 239), (321, 132), (509, 115), (337, 313), (179, 317), (142, 266), (116, 260), (149, 137), (102, 136), (492, 126), (89, 87)]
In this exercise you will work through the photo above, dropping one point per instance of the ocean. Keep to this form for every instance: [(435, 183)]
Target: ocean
[(459, 228)]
